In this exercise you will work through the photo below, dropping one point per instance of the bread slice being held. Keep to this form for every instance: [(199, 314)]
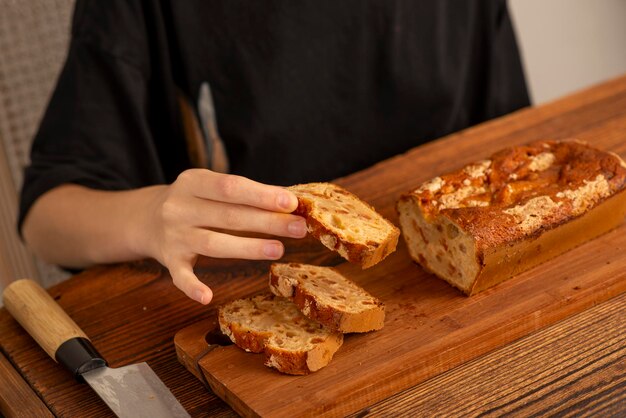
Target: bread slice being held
[(344, 223), (292, 343), (326, 296)]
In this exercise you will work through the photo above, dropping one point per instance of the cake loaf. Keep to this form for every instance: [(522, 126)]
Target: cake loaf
[(344, 223), (493, 219)]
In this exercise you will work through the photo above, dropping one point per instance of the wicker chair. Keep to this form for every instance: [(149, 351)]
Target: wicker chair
[(34, 36)]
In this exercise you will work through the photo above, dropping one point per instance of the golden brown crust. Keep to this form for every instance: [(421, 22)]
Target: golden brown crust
[(533, 194), (274, 326), (524, 254), (303, 362), (353, 252), (366, 313), (366, 254), (287, 362), (252, 342), (509, 181)]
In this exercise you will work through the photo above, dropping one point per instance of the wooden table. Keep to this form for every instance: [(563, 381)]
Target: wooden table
[(132, 311)]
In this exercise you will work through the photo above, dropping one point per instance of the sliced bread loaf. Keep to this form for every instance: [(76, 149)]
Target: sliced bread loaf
[(491, 220), (324, 295), (292, 343), (344, 223)]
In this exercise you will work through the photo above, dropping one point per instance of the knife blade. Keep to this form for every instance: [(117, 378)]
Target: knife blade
[(130, 391)]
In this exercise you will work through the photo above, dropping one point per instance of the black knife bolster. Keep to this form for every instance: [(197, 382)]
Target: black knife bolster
[(78, 355)]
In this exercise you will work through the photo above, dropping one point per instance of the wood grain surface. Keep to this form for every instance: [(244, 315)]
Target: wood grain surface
[(573, 368), (17, 400), (430, 327), (132, 311)]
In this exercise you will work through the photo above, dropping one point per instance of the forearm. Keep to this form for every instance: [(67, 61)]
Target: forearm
[(75, 226)]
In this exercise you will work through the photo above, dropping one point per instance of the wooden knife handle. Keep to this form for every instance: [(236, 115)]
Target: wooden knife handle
[(40, 315), (50, 326)]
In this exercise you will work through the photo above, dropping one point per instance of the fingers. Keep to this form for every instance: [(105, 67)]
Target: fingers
[(201, 199), (185, 279), (212, 214), (229, 188), (218, 245)]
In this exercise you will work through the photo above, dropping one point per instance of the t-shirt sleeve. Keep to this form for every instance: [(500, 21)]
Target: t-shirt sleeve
[(97, 129)]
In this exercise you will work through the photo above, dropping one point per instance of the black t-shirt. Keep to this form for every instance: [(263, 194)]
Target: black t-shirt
[(303, 90)]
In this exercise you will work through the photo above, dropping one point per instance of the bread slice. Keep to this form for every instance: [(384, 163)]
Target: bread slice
[(292, 343), (344, 223), (493, 219), (324, 295)]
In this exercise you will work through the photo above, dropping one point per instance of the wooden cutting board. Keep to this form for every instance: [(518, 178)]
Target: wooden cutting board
[(430, 328)]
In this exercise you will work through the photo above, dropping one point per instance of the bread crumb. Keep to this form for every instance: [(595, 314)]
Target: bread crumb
[(531, 215), (271, 362), (329, 241), (307, 308), (433, 185), (472, 203), (477, 170), (588, 194), (454, 200), (541, 162)]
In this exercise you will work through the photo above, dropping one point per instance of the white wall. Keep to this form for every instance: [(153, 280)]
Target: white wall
[(569, 44)]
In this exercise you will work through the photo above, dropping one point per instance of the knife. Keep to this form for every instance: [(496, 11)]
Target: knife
[(130, 391)]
